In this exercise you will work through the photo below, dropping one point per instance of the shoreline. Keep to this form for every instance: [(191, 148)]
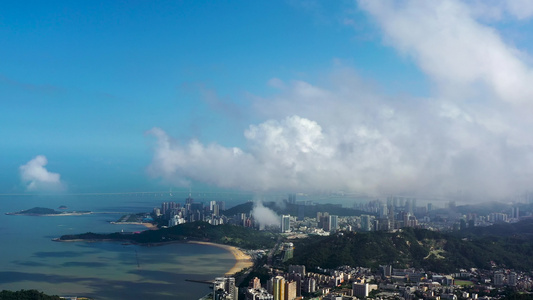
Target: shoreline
[(148, 225), (242, 259)]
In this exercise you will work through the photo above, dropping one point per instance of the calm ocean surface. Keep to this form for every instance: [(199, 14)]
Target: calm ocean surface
[(106, 270)]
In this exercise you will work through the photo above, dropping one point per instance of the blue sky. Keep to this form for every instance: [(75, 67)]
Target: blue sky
[(264, 88)]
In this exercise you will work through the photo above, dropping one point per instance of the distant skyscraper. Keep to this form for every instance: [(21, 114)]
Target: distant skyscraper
[(365, 223), (333, 223), (383, 212), (292, 198), (515, 214), (301, 212), (285, 223)]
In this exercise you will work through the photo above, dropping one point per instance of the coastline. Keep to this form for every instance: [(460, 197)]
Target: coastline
[(148, 225), (242, 259)]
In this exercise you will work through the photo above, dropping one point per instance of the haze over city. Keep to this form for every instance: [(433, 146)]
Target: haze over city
[(371, 97)]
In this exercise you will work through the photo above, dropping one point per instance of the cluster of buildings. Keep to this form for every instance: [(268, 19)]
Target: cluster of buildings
[(379, 215), (177, 213), (296, 283), (392, 214), (350, 283)]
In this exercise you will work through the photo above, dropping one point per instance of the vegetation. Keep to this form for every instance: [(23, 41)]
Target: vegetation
[(38, 211), (198, 231), (26, 295), (417, 248)]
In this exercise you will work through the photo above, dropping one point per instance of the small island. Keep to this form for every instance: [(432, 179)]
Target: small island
[(43, 211)]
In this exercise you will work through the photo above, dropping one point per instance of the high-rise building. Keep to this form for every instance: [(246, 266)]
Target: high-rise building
[(386, 270), (361, 290), (333, 223), (301, 212), (309, 285), (215, 211), (278, 288), (297, 277), (512, 279), (292, 198), (366, 225), (297, 269), (383, 211), (515, 214), (229, 286), (499, 278), (285, 223), (224, 289), (255, 283), (290, 290)]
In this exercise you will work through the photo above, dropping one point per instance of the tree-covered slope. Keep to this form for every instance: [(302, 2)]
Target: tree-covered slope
[(418, 248), (200, 231), (26, 295)]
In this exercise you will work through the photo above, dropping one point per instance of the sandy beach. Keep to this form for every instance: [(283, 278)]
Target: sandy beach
[(150, 226), (243, 260)]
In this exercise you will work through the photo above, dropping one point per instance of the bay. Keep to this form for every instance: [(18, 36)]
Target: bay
[(29, 259)]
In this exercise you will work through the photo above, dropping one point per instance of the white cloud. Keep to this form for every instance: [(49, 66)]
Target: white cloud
[(458, 52), (472, 136), (521, 9), (264, 216), (37, 178)]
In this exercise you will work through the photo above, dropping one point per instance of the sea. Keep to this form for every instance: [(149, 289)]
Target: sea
[(29, 259)]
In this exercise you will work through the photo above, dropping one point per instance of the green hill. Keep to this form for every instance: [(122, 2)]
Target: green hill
[(418, 248), (199, 231), (26, 294), (39, 211)]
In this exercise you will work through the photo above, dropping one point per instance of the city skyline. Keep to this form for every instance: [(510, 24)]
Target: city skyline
[(401, 97)]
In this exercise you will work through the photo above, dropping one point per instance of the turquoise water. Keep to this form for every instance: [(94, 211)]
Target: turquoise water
[(29, 259)]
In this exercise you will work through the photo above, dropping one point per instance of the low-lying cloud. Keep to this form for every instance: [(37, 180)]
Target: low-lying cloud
[(264, 216), (36, 177)]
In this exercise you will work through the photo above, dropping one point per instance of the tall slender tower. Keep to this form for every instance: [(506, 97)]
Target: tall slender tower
[(285, 223)]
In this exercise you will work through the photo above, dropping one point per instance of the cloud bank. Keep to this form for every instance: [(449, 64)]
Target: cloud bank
[(36, 177), (470, 136)]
